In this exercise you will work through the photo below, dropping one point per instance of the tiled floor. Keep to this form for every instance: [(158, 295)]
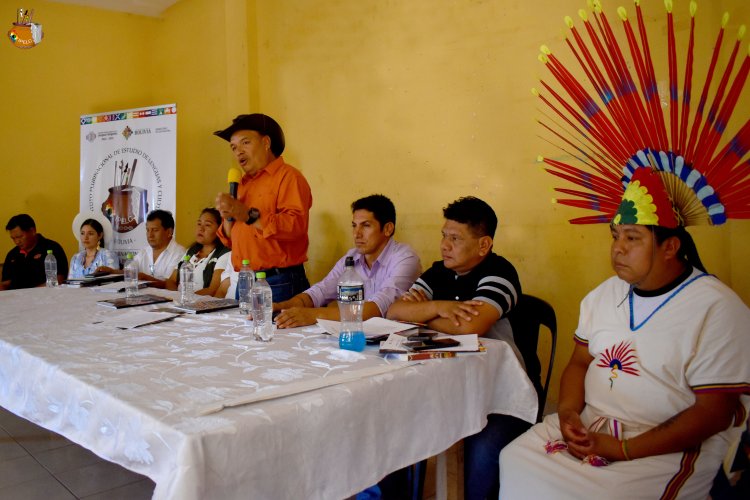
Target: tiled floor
[(36, 464)]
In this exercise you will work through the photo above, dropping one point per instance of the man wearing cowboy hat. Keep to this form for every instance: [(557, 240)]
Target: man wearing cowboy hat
[(267, 222), (24, 264)]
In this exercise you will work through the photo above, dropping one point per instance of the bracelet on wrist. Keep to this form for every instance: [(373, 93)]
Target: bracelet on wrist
[(624, 448)]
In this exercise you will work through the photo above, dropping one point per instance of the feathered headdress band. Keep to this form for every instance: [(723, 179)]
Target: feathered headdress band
[(621, 128)]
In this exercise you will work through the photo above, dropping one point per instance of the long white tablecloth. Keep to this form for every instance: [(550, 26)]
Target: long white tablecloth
[(135, 397)]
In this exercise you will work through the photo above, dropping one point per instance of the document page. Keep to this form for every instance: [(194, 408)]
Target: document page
[(134, 318), (373, 327)]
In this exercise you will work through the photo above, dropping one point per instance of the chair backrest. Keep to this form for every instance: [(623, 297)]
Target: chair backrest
[(526, 320)]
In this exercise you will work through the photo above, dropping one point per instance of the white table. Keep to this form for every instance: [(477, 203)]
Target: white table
[(135, 397)]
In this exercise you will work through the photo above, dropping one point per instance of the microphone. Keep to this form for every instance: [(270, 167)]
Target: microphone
[(234, 177)]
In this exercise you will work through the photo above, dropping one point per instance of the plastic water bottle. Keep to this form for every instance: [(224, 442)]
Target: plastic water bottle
[(131, 277), (245, 286), (262, 308), (186, 281), (50, 269), (351, 295)]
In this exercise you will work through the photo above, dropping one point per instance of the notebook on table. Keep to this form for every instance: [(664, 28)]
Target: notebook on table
[(208, 305), (91, 280), (138, 300)]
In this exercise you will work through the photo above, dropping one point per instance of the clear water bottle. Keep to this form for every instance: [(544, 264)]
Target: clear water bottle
[(351, 298), (50, 269), (262, 308), (186, 281), (245, 286), (131, 276)]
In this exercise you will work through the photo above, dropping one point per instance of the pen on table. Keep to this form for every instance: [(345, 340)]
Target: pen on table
[(418, 356)]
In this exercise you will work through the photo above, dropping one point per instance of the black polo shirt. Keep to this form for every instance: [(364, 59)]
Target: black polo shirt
[(494, 281), (27, 270)]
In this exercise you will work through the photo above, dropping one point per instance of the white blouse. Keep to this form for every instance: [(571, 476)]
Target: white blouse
[(200, 264)]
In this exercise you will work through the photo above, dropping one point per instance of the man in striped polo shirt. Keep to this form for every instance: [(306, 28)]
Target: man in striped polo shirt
[(471, 290)]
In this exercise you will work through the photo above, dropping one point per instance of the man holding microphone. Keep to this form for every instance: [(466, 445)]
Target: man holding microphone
[(267, 222)]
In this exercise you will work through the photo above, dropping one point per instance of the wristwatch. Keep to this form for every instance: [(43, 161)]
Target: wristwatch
[(252, 215)]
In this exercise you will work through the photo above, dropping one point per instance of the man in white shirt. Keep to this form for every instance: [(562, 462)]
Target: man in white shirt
[(157, 261)]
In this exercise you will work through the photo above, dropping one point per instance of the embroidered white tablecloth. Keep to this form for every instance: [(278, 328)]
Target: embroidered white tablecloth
[(137, 397)]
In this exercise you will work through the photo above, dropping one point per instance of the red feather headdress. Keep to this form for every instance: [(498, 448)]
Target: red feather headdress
[(618, 125)]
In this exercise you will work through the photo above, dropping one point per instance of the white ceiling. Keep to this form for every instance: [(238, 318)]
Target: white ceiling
[(153, 8)]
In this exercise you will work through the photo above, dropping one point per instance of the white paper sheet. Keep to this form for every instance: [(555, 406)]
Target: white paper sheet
[(373, 327), (134, 318)]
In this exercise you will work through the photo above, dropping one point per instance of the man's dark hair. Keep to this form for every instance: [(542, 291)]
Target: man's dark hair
[(381, 207), (22, 221), (166, 219), (688, 251), (475, 213)]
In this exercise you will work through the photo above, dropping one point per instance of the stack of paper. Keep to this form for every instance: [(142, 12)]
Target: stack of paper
[(207, 304), (397, 347), (138, 300), (374, 328), (93, 280), (116, 287)]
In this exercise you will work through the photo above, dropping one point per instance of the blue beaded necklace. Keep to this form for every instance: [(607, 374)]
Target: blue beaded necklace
[(633, 326)]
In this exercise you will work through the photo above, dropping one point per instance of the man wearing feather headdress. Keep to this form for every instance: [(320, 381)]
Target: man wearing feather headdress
[(657, 386)]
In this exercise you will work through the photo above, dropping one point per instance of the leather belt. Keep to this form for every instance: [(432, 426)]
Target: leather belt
[(274, 271)]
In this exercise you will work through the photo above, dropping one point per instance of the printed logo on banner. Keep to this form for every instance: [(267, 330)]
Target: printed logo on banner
[(128, 169), (126, 115), (25, 34), (127, 204)]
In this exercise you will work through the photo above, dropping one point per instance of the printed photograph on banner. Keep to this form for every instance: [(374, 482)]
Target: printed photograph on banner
[(128, 168)]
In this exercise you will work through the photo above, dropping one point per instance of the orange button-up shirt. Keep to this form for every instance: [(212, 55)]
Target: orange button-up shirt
[(282, 195)]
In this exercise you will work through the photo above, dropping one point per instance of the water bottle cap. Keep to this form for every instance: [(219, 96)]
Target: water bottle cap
[(130, 255), (49, 252), (186, 258), (245, 262), (260, 275), (349, 262)]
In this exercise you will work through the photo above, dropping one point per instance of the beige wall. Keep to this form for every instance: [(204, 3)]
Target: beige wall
[(422, 100), (89, 61), (427, 101)]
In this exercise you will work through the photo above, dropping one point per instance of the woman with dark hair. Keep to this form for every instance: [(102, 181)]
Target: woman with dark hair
[(93, 254), (208, 255)]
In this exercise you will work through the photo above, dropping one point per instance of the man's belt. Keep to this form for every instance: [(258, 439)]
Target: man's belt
[(273, 271)]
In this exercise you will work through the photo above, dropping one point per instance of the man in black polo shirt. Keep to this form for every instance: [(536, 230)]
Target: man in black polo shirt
[(24, 264), (471, 290)]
